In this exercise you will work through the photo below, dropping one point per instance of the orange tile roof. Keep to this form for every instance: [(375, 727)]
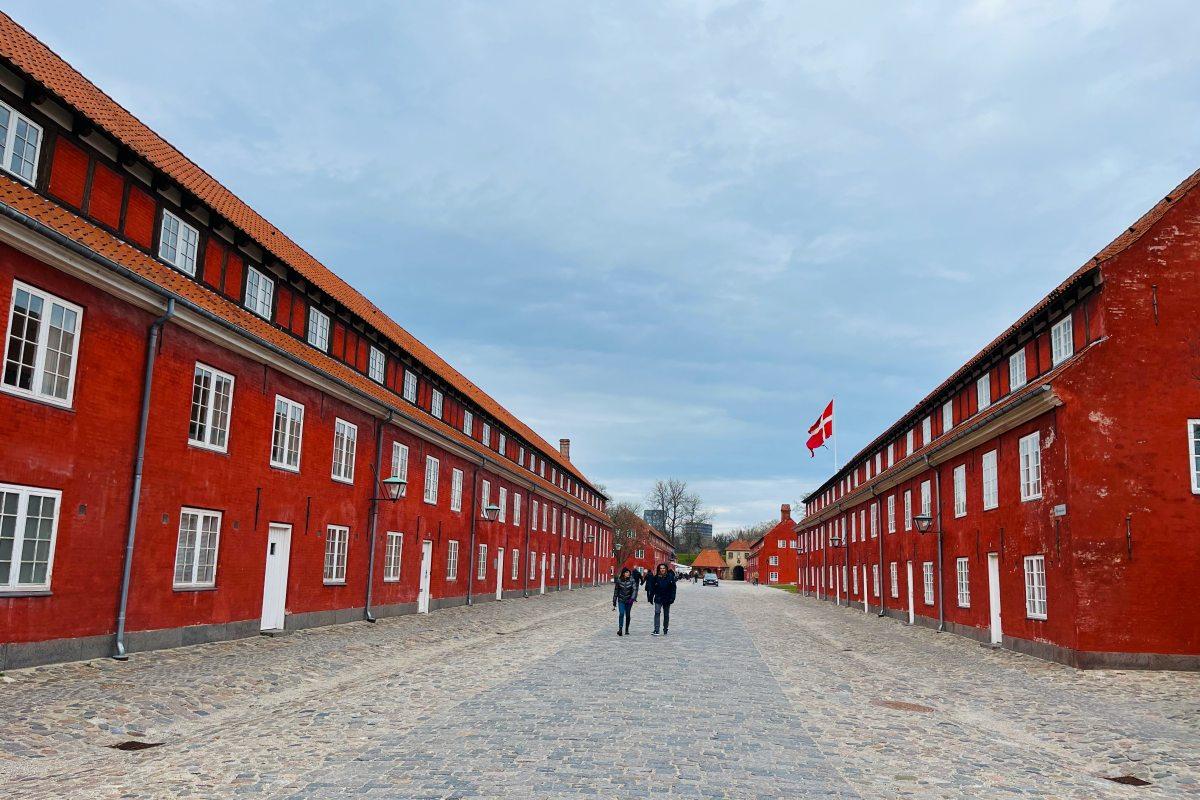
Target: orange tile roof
[(709, 559), (25, 200), (35, 59), (737, 544)]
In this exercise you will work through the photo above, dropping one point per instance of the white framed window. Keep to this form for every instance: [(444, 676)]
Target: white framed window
[(533, 516), (42, 345), (501, 443), (927, 568), (878, 463), (874, 520), (908, 442), (926, 430), (926, 502), (431, 480), (532, 565), (1062, 341), (391, 556), (435, 403), (503, 503), (516, 509), (196, 549), (28, 531), (177, 243), (212, 396), (287, 434), (456, 489), (481, 565), (854, 578), (962, 568), (875, 579), (1035, 587), (20, 143), (516, 563), (376, 364), (399, 460), (260, 292), (554, 521), (639, 553), (410, 386), (468, 422), (345, 441), (891, 513), (947, 416), (553, 560), (1030, 448), (891, 452), (486, 438), (991, 489), (983, 391), (773, 577), (485, 497), (782, 543), (337, 542), (895, 582), (1016, 370), (318, 329), (452, 560), (545, 516), (773, 561), (960, 490), (1194, 453), (521, 456)]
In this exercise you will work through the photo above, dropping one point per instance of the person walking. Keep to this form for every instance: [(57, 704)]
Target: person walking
[(660, 587), (625, 592)]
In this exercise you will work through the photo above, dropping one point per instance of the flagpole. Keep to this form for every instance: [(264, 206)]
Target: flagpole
[(836, 465)]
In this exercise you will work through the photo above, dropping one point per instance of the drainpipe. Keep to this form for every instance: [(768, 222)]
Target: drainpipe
[(474, 521), (937, 483), (882, 532), (529, 512), (367, 615), (561, 566), (152, 339)]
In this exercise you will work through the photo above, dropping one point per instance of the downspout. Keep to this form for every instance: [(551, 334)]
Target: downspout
[(152, 340), (937, 483), (882, 531), (374, 524), (528, 514), (561, 566), (474, 522)]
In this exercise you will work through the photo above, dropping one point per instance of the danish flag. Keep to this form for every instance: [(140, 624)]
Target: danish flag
[(821, 430)]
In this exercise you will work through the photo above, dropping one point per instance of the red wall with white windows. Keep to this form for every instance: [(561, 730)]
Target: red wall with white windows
[(777, 543)]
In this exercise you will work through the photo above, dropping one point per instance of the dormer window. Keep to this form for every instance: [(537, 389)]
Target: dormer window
[(177, 242), (435, 404), (318, 329), (487, 435), (260, 290), (410, 386), (468, 422), (375, 364), (1062, 345), (20, 139), (983, 391)]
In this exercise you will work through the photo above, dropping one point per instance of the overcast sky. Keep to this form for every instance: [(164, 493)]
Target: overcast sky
[(672, 231)]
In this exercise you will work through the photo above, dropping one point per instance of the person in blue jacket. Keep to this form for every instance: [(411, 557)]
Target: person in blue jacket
[(660, 590)]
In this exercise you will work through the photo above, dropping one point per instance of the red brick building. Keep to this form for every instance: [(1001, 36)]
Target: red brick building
[(1058, 472), (772, 556), (650, 548), (199, 418)]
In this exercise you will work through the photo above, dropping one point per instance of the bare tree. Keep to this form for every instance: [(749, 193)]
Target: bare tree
[(679, 507), (748, 533), (628, 530)]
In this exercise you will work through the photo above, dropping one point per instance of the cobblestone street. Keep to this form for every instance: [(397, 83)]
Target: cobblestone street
[(756, 693)]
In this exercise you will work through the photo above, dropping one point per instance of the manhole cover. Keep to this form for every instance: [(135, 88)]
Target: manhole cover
[(900, 706), (1129, 780), (134, 744)]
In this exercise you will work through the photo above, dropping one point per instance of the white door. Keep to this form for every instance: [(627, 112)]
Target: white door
[(912, 614), (994, 597), (500, 573), (426, 573), (866, 591), (279, 548), (542, 573)]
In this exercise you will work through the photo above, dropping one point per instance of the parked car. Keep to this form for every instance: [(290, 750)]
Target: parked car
[(710, 579)]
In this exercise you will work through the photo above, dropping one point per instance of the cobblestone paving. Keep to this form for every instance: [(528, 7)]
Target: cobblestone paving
[(755, 694)]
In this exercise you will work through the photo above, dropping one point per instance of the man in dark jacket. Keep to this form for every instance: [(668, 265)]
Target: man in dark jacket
[(625, 592), (660, 589)]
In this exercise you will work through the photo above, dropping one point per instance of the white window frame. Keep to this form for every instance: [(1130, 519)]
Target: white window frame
[(1017, 375), (345, 443), (983, 391), (481, 566), (183, 240), (516, 509), (895, 580), (962, 570), (337, 549), (436, 403), (1194, 453), (502, 501), (926, 430), (432, 468), (960, 491), (456, 489), (927, 572), (875, 520), (773, 561), (196, 550), (393, 554), (318, 329), (292, 420), (41, 347), (20, 514), (533, 517), (516, 564), (501, 442), (908, 441), (926, 498), (452, 560), (260, 294), (409, 390), (1035, 587), (214, 425), (1030, 450), (468, 422), (991, 478), (15, 119), (376, 364), (1062, 340), (400, 460), (875, 579), (947, 417), (891, 513), (908, 515), (773, 577)]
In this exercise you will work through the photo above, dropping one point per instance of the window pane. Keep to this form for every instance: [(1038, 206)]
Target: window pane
[(25, 147), (24, 330), (8, 533)]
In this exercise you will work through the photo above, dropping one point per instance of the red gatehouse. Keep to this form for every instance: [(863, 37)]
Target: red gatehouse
[(772, 556)]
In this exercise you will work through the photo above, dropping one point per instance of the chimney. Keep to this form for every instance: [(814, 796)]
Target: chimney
[(564, 447), (785, 512)]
